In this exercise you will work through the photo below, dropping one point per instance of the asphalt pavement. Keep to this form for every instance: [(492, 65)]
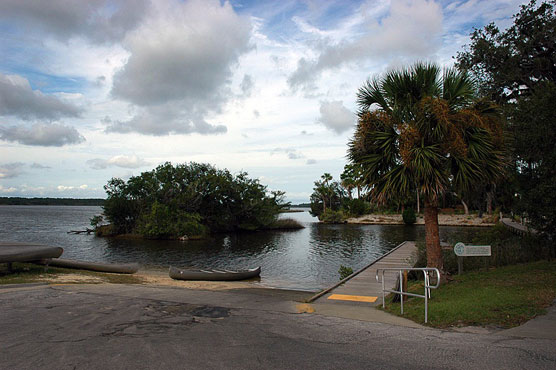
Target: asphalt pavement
[(146, 327)]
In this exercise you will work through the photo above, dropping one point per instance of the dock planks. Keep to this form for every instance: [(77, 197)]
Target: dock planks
[(364, 283)]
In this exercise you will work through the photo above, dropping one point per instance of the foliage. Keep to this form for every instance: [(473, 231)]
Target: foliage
[(285, 224), (409, 217), (171, 201), (164, 223), (506, 248), (356, 207), (517, 68), (345, 271), (421, 129), (331, 216), (327, 194), (503, 297), (509, 64), (96, 221)]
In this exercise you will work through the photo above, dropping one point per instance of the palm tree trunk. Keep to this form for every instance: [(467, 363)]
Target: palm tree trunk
[(418, 203), (465, 207), (432, 237)]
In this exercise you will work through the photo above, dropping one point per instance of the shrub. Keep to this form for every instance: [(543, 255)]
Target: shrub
[(345, 271), (332, 217), (408, 216), (163, 223), (357, 207), (506, 249)]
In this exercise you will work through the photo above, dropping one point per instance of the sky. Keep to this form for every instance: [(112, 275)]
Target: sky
[(91, 90)]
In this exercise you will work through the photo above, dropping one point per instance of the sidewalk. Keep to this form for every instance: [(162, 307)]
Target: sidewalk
[(541, 327)]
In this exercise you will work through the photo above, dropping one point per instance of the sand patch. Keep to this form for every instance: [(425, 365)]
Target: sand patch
[(162, 278), (71, 279)]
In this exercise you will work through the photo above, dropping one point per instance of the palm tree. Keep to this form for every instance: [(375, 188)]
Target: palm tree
[(421, 129)]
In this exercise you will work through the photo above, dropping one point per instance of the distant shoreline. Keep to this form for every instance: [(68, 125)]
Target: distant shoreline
[(20, 201)]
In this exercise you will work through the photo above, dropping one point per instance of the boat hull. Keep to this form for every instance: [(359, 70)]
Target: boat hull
[(123, 268), (213, 275), (20, 252)]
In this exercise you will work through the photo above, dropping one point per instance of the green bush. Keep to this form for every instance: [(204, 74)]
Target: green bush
[(357, 207), (163, 223), (506, 249), (332, 217), (345, 271), (408, 216)]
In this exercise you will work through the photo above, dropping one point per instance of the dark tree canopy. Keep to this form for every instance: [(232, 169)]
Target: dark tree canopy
[(508, 64), (189, 199), (517, 68)]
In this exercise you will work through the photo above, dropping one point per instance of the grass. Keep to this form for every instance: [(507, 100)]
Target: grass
[(29, 273), (501, 297)]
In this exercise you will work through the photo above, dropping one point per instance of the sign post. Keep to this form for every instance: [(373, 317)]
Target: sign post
[(461, 250)]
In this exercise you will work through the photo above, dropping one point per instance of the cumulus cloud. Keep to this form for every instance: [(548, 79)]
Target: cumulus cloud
[(335, 116), (180, 63), (42, 134), (311, 161), (117, 161), (18, 99), (96, 20), (10, 170), (164, 119), (411, 29), (246, 85)]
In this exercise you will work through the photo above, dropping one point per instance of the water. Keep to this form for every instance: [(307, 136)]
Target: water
[(306, 259)]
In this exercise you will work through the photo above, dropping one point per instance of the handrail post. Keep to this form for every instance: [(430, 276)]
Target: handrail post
[(401, 291), (383, 292)]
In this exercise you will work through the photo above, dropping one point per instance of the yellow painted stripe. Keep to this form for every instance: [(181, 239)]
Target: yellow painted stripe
[(355, 298)]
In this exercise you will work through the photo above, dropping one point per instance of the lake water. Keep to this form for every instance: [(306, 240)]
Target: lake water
[(306, 259)]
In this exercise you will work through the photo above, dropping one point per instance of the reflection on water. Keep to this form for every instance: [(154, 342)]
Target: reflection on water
[(306, 259)]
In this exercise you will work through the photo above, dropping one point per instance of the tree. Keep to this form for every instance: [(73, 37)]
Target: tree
[(517, 68), (419, 127), (509, 64)]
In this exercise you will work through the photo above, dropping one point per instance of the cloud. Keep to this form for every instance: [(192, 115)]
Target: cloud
[(17, 98), (180, 67), (117, 161), (66, 188), (39, 166), (411, 29), (290, 152), (10, 170), (335, 116), (246, 85), (7, 190), (311, 161), (42, 135), (164, 119), (96, 20)]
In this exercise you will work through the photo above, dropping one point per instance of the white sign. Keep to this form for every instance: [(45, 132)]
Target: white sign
[(463, 250)]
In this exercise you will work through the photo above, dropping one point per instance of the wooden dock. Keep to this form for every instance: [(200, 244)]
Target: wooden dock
[(516, 227), (362, 285)]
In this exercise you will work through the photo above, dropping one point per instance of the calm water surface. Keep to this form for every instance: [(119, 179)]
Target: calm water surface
[(306, 259)]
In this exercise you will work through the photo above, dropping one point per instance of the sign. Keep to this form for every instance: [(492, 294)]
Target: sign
[(463, 250)]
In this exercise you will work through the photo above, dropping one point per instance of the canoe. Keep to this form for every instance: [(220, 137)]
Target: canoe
[(213, 274), (121, 268), (21, 252)]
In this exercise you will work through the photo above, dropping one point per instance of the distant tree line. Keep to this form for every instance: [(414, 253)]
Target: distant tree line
[(20, 201), (189, 200)]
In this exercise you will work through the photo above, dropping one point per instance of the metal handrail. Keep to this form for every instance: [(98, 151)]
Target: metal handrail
[(428, 287)]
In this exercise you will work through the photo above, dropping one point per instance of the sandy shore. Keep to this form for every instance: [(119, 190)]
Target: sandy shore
[(443, 220), (147, 277)]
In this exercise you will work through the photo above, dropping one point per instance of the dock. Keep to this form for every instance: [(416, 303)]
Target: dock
[(516, 227), (361, 287)]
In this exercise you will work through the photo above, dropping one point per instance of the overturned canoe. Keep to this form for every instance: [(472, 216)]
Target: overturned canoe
[(213, 274), (118, 268), (21, 252)]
